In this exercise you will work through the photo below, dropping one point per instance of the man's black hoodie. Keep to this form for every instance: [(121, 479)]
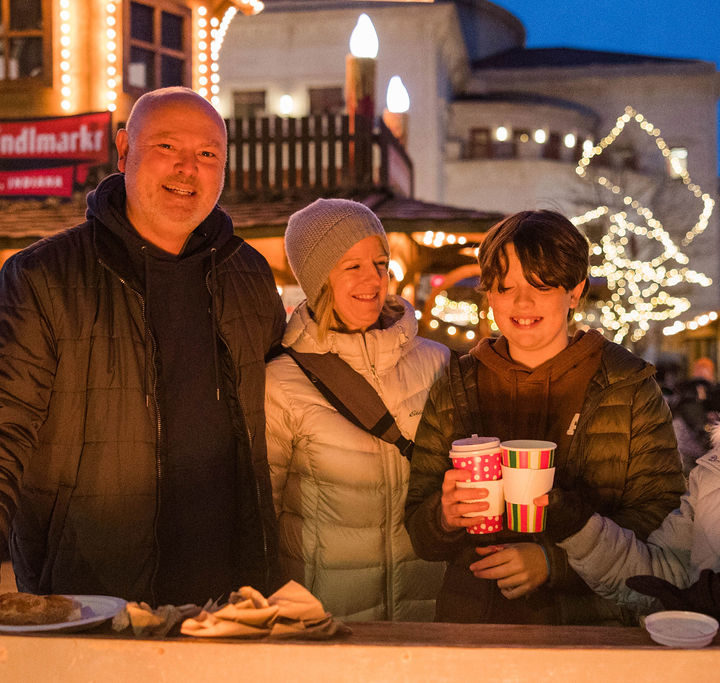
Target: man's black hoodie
[(196, 525)]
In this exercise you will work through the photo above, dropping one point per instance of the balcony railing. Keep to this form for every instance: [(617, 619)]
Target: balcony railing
[(329, 154)]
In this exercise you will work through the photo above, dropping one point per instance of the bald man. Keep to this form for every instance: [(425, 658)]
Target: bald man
[(132, 350)]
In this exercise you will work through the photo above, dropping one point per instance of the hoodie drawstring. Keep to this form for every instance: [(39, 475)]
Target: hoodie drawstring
[(146, 383), (213, 315)]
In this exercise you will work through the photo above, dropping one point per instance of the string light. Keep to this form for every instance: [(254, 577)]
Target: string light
[(632, 116), (697, 322), (638, 288), (201, 35), (64, 17), (438, 239), (249, 7), (112, 77), (209, 35)]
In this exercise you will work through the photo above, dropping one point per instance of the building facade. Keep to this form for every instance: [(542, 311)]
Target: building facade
[(625, 144)]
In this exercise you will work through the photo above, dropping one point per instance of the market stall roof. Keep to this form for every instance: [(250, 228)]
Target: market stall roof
[(24, 222), (398, 214)]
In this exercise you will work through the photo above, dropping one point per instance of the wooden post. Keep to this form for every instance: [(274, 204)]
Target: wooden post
[(360, 87), (397, 124)]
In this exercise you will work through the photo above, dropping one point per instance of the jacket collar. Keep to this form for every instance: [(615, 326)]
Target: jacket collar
[(381, 347)]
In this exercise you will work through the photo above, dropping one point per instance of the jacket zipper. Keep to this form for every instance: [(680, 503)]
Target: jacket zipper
[(248, 433), (369, 362), (389, 599), (158, 429)]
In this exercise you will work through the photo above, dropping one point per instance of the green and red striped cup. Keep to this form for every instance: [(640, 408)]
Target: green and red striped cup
[(528, 471)]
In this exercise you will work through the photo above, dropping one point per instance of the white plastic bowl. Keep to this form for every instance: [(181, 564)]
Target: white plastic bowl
[(676, 628)]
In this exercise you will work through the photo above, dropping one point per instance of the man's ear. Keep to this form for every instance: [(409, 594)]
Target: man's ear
[(121, 143)]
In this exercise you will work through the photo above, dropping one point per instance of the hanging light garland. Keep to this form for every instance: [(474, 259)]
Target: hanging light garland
[(209, 36), (202, 42), (65, 65), (112, 78), (631, 115), (430, 238), (638, 288), (694, 324)]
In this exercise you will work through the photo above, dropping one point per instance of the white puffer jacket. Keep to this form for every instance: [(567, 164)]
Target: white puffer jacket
[(339, 492)]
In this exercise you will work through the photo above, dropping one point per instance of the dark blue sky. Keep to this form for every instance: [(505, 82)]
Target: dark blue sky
[(669, 28), (666, 28)]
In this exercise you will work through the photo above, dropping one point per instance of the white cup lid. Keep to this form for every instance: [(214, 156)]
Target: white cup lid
[(475, 442)]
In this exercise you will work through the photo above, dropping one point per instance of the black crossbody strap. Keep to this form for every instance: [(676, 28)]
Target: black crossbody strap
[(362, 406)]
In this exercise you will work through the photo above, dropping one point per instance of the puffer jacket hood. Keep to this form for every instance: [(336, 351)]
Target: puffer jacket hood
[(385, 349)]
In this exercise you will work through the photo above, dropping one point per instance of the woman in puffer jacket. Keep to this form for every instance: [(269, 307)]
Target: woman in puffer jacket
[(339, 492)]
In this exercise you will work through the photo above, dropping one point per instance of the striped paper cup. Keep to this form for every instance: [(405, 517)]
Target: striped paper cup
[(528, 454), (525, 518)]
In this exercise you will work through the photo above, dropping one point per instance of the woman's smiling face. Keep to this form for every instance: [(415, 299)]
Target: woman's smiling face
[(533, 319), (359, 283)]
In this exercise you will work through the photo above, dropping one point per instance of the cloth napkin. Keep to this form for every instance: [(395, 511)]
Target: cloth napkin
[(290, 612), (154, 623)]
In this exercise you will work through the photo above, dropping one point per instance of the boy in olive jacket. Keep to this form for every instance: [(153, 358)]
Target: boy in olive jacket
[(597, 401)]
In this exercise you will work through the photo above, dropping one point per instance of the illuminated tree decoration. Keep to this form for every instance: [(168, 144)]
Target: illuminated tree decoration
[(638, 287)]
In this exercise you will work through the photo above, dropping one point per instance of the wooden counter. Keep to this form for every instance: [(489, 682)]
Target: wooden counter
[(373, 652)]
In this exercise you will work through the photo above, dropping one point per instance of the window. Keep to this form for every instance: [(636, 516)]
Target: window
[(480, 144), (326, 100), (24, 39), (552, 146), (158, 43), (248, 103)]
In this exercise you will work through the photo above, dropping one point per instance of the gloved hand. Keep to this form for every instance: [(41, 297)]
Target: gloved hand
[(703, 596), (567, 512)]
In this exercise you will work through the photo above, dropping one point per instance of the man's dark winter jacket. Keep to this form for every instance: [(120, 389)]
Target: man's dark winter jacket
[(623, 449), (79, 418)]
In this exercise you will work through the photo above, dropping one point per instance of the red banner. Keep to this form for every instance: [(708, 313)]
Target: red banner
[(45, 182), (84, 137)]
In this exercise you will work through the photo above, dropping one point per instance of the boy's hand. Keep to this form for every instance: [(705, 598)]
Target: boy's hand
[(452, 501), (567, 512), (519, 568)]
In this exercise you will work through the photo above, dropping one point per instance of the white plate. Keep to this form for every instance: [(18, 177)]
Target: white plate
[(94, 610), (681, 629)]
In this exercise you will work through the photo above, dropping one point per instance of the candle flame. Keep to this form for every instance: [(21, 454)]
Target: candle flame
[(363, 39)]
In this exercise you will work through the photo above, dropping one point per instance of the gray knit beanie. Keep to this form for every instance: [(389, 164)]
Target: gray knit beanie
[(318, 235)]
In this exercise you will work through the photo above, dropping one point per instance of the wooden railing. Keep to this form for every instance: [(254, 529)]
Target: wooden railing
[(275, 156)]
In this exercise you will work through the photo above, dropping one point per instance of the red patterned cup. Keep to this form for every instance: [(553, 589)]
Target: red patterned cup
[(481, 457)]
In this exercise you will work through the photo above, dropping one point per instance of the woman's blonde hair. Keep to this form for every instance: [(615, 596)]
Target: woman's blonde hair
[(324, 311)]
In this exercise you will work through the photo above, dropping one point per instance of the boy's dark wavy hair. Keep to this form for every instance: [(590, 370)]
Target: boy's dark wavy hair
[(551, 250)]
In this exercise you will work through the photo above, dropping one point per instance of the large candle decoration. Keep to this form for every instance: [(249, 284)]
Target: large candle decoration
[(360, 66), (395, 115)]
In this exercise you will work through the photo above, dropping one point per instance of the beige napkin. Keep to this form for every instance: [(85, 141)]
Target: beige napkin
[(292, 611)]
